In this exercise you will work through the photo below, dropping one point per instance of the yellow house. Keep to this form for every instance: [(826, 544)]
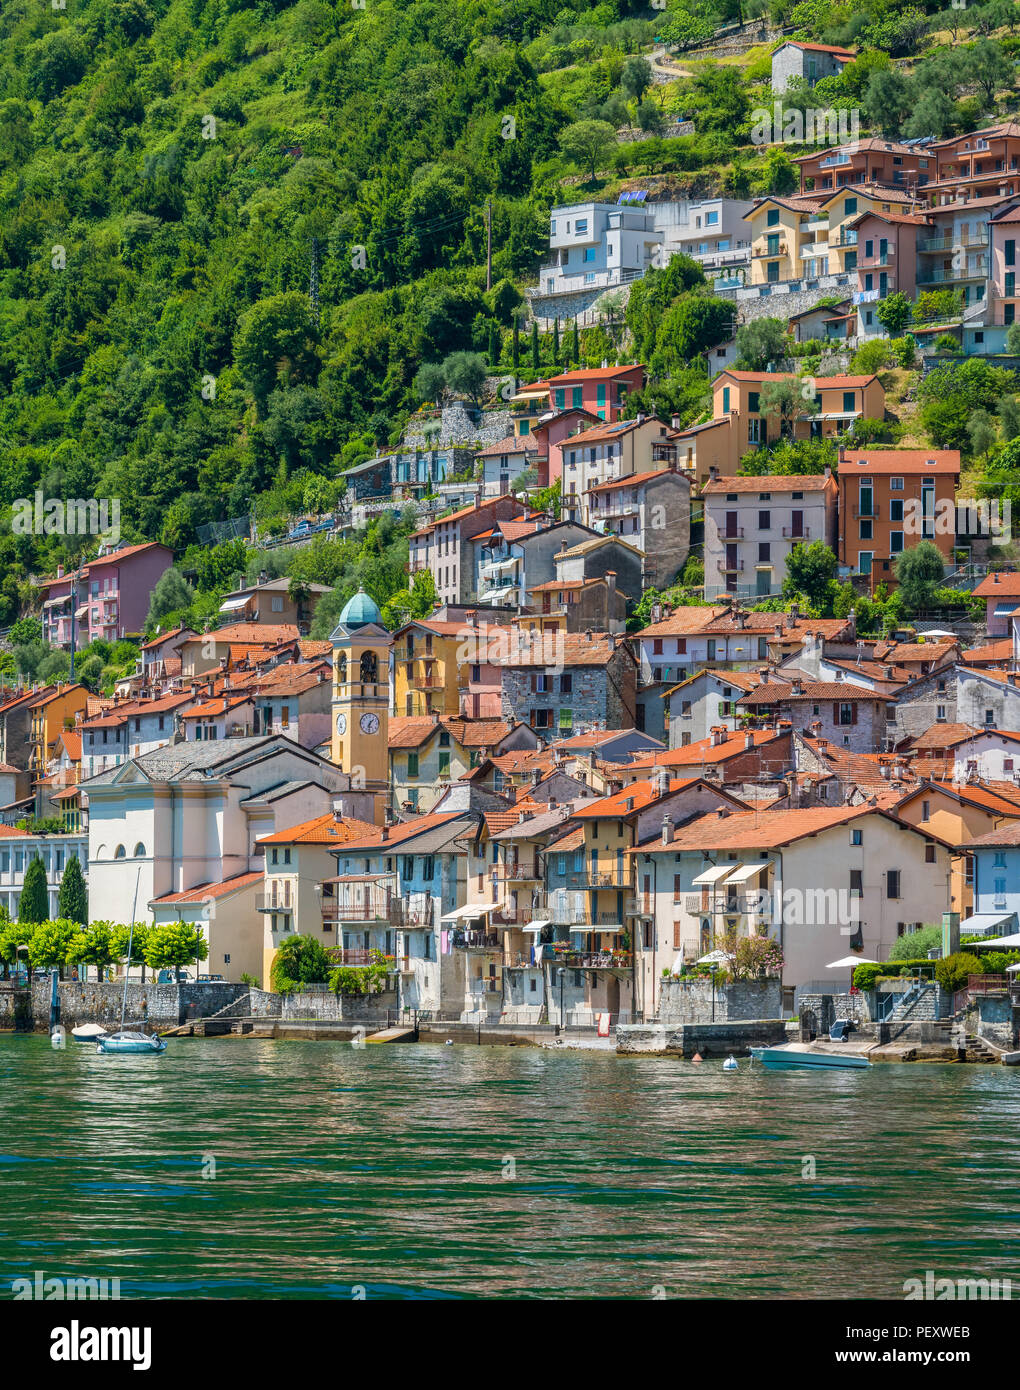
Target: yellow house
[(52, 713), (957, 814), (427, 674), (297, 864), (783, 231), (429, 752)]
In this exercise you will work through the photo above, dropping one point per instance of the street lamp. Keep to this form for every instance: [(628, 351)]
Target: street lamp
[(563, 974), (713, 968)]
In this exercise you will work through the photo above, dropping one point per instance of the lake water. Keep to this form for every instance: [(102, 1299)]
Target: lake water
[(270, 1169)]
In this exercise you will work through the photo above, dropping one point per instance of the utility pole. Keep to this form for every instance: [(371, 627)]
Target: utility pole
[(74, 606), (313, 279), (488, 244)]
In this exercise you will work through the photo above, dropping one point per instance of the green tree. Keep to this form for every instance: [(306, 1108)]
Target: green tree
[(121, 934), (34, 903), (91, 946), (811, 571), (171, 593), (175, 944), (760, 342), (465, 373), (536, 359), (50, 943), (919, 572), (888, 100), (915, 945), (430, 382), (588, 143), (277, 343), (73, 898), (300, 960), (636, 77), (14, 939), (783, 401), (986, 64), (982, 431), (893, 313)]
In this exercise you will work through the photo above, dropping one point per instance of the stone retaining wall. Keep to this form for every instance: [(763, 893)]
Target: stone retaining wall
[(708, 1039), (155, 1006), (690, 1001)]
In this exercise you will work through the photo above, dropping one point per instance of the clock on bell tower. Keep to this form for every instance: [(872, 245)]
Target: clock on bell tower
[(361, 699)]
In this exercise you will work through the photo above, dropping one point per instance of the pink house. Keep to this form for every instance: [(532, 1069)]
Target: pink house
[(112, 591), (549, 434), (1004, 236), (602, 390), (1001, 592)]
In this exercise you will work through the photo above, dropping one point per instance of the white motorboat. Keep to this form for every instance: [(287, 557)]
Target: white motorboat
[(88, 1032), (788, 1056)]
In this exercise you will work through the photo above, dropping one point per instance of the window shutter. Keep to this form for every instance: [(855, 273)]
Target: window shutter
[(678, 940), (853, 713), (835, 711)]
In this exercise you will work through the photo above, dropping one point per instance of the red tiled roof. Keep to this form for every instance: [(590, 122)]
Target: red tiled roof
[(999, 584), (593, 374), (771, 482), (894, 461), (635, 480), (406, 830), (774, 692), (212, 890), (321, 830)]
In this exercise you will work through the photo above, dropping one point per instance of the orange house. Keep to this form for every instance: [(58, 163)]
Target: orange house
[(889, 500), (739, 424)]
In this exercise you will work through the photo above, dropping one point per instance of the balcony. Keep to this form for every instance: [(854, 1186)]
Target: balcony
[(639, 907), (883, 258), (846, 239), (950, 243), (767, 255), (519, 916), (941, 276), (516, 873), (478, 941), (871, 513), (734, 533), (792, 533), (733, 905), (364, 914), (265, 902), (605, 878), (581, 917), (731, 566), (342, 955), (597, 960)]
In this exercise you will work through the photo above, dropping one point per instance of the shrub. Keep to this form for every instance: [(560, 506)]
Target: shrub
[(952, 972), (301, 960), (866, 976), (913, 944)]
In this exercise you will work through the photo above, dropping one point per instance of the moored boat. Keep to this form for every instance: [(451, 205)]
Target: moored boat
[(88, 1032), (788, 1056), (130, 1042)]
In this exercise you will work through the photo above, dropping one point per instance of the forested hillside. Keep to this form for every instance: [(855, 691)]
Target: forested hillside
[(175, 175)]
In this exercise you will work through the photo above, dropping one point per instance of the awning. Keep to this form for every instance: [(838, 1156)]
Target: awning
[(745, 872), (230, 603), (469, 910), (712, 874), (848, 962), (1010, 942), (982, 922), (608, 927), (536, 926), (1005, 610)]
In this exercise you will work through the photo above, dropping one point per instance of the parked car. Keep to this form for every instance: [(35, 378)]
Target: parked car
[(302, 529), (208, 979), (173, 977)]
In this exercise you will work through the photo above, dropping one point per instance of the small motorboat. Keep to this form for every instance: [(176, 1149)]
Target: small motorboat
[(130, 1042), (787, 1056), (88, 1032), (730, 1064)]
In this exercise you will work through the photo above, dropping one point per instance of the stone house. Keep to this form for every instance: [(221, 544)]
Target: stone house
[(564, 679), (844, 713)]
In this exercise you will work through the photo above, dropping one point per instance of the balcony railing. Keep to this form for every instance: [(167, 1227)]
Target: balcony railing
[(950, 243), (769, 255), (733, 533), (391, 914), (870, 514), (516, 873), (734, 905), (639, 907), (572, 917), (949, 277), (731, 566), (477, 941), (791, 533), (265, 902), (598, 960)]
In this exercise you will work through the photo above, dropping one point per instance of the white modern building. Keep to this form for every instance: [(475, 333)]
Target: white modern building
[(712, 231), (598, 245), (17, 850)]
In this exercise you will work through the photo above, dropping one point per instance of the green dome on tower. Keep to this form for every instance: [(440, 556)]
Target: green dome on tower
[(359, 611)]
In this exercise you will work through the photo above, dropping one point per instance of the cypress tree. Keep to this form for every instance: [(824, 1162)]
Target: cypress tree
[(536, 360), (515, 346), (495, 345), (575, 345), (556, 342), (73, 901), (34, 905)]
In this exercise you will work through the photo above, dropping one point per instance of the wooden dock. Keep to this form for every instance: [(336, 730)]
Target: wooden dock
[(388, 1035)]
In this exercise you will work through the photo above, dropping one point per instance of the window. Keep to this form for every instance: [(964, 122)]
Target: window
[(926, 810), (764, 552), (989, 716), (772, 217), (940, 713), (412, 764), (120, 852), (566, 721), (896, 509), (895, 542), (1009, 250), (1000, 892), (999, 862), (726, 400), (895, 484), (139, 850), (856, 883), (929, 854), (764, 521), (444, 764), (752, 402), (856, 837), (892, 883)]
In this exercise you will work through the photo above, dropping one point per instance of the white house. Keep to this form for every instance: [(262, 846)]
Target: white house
[(598, 245)]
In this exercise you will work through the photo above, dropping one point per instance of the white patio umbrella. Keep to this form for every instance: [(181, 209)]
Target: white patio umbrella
[(713, 958), (850, 963)]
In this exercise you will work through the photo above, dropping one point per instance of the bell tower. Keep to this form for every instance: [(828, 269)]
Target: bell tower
[(361, 699)]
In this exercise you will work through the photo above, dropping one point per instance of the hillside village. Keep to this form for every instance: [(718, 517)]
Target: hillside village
[(675, 635)]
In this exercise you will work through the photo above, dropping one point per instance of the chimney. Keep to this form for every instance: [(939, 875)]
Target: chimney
[(995, 576), (611, 580), (718, 735), (763, 675), (60, 571), (674, 421), (667, 830), (816, 727), (385, 832), (749, 739), (713, 473), (797, 686), (828, 471), (661, 781), (640, 418), (794, 612)]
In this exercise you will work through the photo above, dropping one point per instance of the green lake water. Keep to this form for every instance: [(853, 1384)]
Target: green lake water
[(419, 1171)]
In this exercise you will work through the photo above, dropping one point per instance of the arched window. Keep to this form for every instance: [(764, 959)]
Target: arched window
[(139, 850), (101, 851), (120, 852), (341, 669), (369, 667)]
